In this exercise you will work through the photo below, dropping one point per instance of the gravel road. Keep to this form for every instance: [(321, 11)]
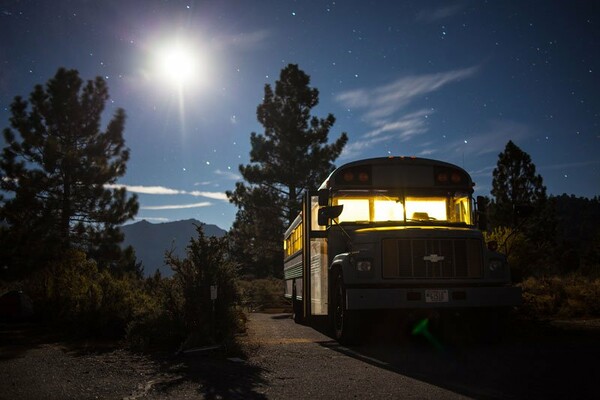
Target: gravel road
[(299, 362), (288, 361)]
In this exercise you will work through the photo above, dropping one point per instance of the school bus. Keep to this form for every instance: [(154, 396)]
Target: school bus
[(393, 233)]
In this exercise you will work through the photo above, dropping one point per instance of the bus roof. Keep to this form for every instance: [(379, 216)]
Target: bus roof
[(398, 172)]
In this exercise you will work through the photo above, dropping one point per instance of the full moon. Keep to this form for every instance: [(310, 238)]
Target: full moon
[(178, 64)]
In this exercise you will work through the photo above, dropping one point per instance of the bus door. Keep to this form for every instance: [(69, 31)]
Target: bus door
[(314, 258)]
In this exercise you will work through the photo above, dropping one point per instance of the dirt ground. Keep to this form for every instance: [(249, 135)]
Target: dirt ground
[(35, 365), (283, 360)]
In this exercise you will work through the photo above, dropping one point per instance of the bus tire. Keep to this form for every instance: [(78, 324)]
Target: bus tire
[(345, 323)]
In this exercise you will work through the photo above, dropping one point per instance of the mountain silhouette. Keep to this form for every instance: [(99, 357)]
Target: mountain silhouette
[(151, 241)]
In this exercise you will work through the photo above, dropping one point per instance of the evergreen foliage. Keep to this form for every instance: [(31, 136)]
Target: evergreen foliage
[(555, 235), (74, 295), (257, 232), (207, 264), (578, 233), (515, 186), (291, 156), (54, 168), (521, 205)]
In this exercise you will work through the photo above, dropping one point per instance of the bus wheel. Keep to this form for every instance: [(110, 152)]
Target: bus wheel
[(346, 323)]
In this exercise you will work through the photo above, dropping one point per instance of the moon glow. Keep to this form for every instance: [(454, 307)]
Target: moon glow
[(178, 64)]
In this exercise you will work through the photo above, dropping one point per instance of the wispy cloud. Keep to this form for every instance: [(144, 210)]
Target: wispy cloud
[(157, 219), (210, 195), (177, 206), (436, 14), (426, 152), (144, 189), (356, 147), (483, 172), (402, 129), (244, 41), (228, 175), (161, 190), (382, 108), (492, 140), (384, 101), (407, 125)]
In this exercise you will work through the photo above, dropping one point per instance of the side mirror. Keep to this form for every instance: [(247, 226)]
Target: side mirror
[(323, 197), (328, 213)]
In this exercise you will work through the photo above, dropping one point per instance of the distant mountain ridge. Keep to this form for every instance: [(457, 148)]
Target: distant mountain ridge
[(151, 241)]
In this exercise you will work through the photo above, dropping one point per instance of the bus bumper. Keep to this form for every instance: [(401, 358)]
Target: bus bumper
[(403, 298)]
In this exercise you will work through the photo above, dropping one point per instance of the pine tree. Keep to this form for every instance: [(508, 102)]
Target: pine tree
[(291, 156), (520, 204), (515, 187), (257, 232), (55, 170)]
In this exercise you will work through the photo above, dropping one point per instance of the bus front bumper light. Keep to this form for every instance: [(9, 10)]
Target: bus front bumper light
[(363, 266)]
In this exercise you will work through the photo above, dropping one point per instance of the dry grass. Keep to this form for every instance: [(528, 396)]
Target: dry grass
[(573, 296)]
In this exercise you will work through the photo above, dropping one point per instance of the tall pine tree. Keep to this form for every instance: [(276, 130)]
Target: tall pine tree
[(515, 187), (520, 204), (291, 156), (54, 169)]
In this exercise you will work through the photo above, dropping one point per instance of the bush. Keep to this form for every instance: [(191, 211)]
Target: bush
[(206, 320), (71, 293), (525, 257), (582, 297), (263, 293), (574, 296), (161, 325)]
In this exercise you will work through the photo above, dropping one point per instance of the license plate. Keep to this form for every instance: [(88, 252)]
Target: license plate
[(436, 296)]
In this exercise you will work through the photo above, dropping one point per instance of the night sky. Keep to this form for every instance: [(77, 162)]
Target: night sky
[(450, 80)]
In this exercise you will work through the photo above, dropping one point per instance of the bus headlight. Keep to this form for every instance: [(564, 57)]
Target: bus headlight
[(363, 266)]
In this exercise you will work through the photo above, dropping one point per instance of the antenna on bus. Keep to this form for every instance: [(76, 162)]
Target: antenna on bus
[(350, 244)]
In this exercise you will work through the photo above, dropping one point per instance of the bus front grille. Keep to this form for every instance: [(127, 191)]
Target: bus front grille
[(432, 258)]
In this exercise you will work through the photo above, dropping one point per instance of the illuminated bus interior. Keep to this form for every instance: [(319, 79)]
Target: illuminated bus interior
[(368, 207), (293, 243)]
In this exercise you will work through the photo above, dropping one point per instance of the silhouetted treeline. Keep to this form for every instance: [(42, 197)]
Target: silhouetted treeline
[(577, 231), (578, 218)]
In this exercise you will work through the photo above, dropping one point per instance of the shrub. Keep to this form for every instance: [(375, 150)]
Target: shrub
[(541, 297), (263, 293), (161, 325), (573, 296), (206, 321), (73, 294), (525, 257)]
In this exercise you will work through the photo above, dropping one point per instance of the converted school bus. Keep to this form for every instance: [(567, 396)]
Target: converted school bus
[(395, 233)]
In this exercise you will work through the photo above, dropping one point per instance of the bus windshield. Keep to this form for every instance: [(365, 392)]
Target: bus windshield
[(422, 207)]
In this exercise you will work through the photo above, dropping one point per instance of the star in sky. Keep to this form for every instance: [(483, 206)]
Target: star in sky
[(446, 80)]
